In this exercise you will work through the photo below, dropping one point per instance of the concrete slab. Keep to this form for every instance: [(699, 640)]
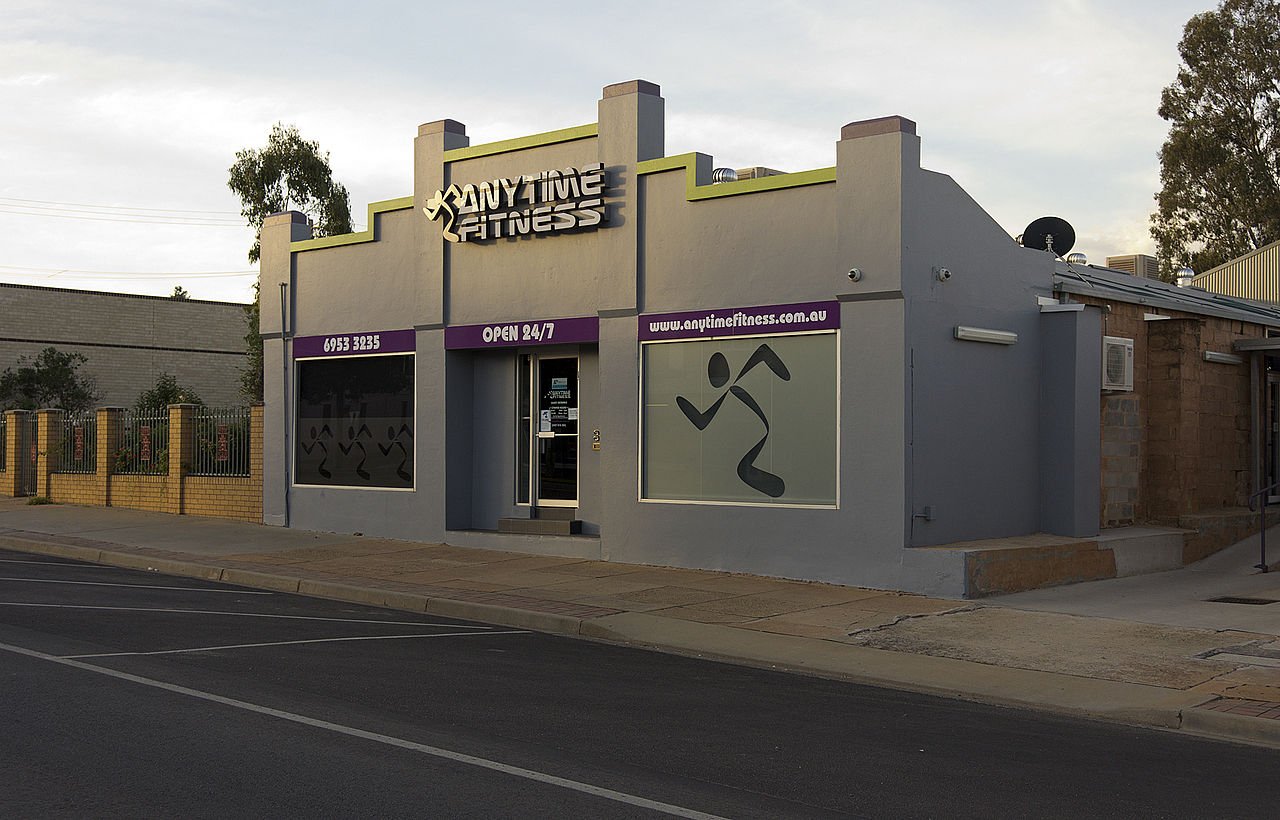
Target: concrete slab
[(1175, 598), (1097, 648)]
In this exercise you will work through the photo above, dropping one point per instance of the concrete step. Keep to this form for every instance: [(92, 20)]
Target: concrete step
[(540, 526), (998, 566)]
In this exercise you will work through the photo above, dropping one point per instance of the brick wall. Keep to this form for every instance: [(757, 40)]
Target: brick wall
[(1185, 426), (236, 497), (129, 340)]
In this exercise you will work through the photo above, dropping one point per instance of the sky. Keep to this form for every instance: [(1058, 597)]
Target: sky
[(119, 119)]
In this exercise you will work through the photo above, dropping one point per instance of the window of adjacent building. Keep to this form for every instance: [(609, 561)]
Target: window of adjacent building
[(355, 422), (741, 420)]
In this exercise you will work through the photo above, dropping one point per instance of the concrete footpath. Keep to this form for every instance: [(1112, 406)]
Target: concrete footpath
[(1150, 650)]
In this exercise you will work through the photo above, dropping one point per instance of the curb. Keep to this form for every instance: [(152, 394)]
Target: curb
[(1133, 704)]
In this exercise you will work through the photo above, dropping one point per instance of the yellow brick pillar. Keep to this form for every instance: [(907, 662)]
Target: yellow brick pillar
[(255, 457), (11, 478), (110, 420), (181, 449), (48, 449)]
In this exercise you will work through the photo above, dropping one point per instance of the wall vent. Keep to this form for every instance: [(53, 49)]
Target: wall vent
[(1117, 364)]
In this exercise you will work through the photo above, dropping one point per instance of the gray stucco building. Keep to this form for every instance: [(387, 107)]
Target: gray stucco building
[(570, 343)]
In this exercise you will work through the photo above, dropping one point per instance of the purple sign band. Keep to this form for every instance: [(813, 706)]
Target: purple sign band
[(519, 334), (747, 321), (355, 344)]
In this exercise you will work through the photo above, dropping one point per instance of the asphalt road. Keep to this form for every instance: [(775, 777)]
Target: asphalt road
[(131, 694)]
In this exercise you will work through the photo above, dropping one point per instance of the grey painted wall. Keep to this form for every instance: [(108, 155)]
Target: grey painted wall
[(1071, 427), (973, 407), (923, 418)]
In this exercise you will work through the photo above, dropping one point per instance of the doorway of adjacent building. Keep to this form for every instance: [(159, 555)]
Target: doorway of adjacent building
[(1273, 435), (547, 430)]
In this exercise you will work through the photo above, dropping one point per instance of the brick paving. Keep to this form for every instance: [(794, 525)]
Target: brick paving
[(1268, 709)]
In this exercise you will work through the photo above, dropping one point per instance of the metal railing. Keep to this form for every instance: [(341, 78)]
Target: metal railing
[(78, 444), (220, 444), (4, 442), (144, 444), (1262, 516)]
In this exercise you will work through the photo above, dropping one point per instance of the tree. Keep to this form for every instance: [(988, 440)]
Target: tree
[(53, 379), (1220, 165), (289, 172), (251, 373), (166, 391), (180, 294)]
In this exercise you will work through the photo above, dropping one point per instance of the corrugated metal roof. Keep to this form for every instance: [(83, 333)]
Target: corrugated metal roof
[(1104, 283)]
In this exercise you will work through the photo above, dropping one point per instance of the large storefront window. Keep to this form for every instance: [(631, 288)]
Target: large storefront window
[(355, 422), (741, 420)]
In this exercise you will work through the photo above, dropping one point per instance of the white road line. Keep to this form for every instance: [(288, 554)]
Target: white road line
[(294, 643), (68, 563), (136, 586), (241, 614), (350, 731)]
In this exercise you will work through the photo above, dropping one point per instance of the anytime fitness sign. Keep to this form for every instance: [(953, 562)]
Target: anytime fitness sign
[(543, 203)]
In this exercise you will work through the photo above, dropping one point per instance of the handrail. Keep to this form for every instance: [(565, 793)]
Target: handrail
[(1262, 515)]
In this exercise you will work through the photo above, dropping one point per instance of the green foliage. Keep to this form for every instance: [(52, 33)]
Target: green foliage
[(128, 462), (289, 172), (167, 391), (37, 500), (1220, 165), (251, 373), (180, 294), (52, 379)]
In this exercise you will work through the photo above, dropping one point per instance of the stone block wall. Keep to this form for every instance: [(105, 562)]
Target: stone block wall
[(1121, 458), (129, 340), (1178, 445)]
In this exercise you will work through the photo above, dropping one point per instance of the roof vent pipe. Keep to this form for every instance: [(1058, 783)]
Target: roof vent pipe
[(719, 175), (1184, 276), (1077, 259)]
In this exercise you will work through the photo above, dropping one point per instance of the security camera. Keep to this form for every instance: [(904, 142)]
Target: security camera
[(943, 274), (855, 275)]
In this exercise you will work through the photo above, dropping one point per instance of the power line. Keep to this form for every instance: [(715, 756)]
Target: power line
[(39, 209), (197, 222), (140, 219), (115, 207), (103, 274)]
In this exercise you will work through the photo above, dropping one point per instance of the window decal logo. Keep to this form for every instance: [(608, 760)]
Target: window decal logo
[(718, 375)]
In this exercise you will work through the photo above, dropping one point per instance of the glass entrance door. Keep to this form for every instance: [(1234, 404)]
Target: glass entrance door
[(547, 437)]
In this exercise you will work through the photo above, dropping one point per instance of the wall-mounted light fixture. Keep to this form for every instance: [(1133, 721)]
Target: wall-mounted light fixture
[(1223, 358), (982, 334)]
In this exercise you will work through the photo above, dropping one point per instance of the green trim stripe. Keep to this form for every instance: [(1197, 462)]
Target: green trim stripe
[(366, 235), (581, 132), (694, 192)]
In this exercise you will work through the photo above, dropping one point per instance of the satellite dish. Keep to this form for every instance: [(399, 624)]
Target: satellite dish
[(1049, 233)]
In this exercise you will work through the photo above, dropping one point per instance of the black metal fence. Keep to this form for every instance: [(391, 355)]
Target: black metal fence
[(144, 444), (27, 459), (221, 441), (4, 442), (77, 444)]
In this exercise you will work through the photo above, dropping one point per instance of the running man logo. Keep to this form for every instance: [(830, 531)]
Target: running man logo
[(542, 203), (718, 375)]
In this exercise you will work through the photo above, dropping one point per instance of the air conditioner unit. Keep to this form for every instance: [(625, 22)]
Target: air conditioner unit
[(1117, 364)]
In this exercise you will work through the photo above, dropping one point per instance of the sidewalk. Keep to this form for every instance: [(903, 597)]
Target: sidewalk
[(1147, 650)]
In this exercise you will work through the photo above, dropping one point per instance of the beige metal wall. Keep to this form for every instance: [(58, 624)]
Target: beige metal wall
[(1255, 275)]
